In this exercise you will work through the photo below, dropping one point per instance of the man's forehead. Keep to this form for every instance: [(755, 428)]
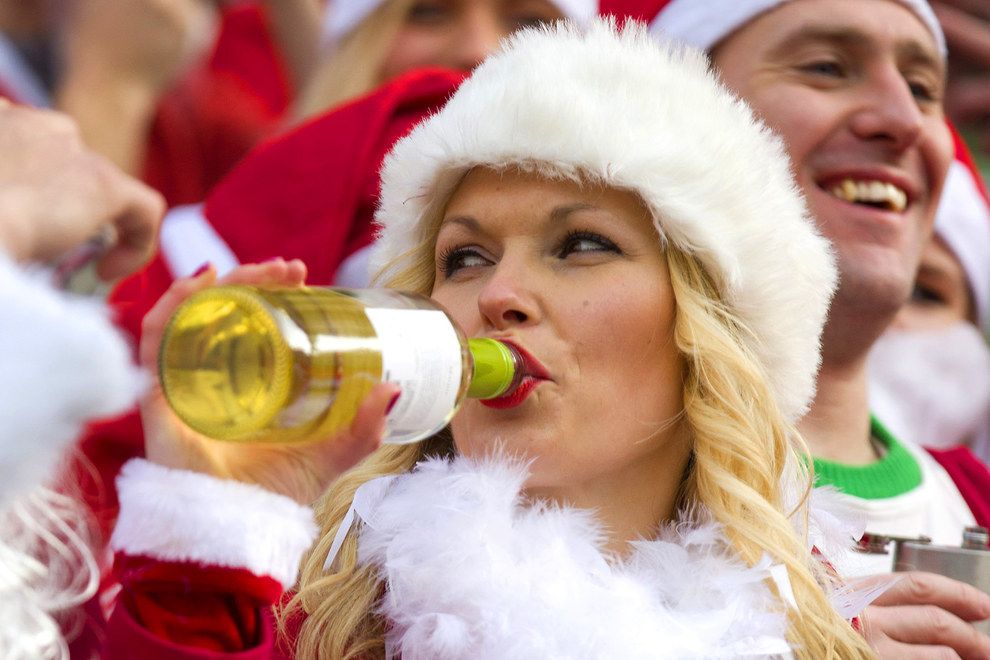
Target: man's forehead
[(705, 24), (798, 24)]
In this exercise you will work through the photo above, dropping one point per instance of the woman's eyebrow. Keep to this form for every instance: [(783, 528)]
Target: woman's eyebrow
[(561, 213), (558, 214), (465, 221)]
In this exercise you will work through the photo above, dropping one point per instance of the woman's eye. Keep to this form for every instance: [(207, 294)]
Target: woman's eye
[(460, 258), (583, 242)]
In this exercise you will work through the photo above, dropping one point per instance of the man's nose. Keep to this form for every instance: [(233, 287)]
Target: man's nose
[(889, 111)]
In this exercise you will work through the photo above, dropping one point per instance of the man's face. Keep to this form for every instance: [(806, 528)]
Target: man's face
[(855, 88)]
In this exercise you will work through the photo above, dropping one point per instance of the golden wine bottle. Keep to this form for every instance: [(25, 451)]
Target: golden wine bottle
[(292, 364)]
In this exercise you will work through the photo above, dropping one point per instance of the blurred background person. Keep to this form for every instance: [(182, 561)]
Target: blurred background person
[(367, 42), (61, 363), (930, 372)]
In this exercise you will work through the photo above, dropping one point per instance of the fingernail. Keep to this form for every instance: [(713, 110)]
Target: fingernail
[(269, 260), (202, 269), (392, 402)]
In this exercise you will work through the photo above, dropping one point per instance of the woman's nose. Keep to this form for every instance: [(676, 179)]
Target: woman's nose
[(508, 298)]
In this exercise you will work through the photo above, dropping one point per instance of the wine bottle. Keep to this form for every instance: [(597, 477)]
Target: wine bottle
[(292, 364)]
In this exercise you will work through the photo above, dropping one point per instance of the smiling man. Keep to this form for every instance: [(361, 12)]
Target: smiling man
[(854, 87)]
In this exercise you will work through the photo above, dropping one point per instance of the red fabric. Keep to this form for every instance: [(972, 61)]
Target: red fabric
[(8, 93), (187, 610), (210, 120), (639, 10), (971, 476), (325, 173), (964, 156)]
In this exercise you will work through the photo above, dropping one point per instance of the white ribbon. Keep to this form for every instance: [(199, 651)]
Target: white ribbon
[(366, 499)]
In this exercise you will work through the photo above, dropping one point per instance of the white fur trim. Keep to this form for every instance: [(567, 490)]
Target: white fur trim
[(650, 117), (62, 363), (342, 16), (187, 241), (963, 222), (354, 272), (471, 571), (703, 24), (176, 515)]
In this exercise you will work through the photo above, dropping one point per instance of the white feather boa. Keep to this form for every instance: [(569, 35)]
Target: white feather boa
[(472, 571)]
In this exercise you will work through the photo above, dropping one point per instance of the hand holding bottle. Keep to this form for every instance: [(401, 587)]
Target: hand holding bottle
[(300, 471)]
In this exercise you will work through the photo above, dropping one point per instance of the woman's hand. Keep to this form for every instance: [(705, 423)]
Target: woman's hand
[(300, 471)]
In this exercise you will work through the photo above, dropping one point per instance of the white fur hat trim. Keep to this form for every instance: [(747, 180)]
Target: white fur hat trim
[(963, 222), (638, 114), (704, 23)]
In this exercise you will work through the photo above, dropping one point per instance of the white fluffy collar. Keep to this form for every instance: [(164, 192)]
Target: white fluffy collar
[(471, 571)]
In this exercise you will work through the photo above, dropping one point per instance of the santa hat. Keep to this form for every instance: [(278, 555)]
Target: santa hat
[(636, 114), (704, 23), (309, 194), (963, 222), (342, 16)]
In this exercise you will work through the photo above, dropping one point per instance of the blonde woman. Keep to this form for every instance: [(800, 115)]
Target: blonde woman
[(601, 202)]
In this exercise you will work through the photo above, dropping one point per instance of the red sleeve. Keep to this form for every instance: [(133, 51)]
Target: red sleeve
[(971, 476), (171, 610)]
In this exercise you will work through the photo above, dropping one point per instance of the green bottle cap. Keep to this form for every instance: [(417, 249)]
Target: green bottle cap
[(494, 368)]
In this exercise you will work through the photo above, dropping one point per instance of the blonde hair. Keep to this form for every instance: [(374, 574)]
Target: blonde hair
[(742, 450), (354, 66)]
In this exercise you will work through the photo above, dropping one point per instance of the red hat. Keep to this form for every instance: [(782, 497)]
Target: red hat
[(309, 194), (704, 23), (963, 222)]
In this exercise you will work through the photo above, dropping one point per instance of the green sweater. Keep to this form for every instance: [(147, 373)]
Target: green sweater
[(896, 473)]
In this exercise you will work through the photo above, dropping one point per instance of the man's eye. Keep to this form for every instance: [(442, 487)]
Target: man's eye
[(828, 68), (922, 295), (582, 242)]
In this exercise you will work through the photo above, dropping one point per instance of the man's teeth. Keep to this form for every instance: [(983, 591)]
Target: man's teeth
[(871, 192)]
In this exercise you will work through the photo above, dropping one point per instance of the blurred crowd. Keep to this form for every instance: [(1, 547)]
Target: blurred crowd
[(194, 137)]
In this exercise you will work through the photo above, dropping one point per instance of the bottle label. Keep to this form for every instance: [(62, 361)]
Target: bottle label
[(421, 354)]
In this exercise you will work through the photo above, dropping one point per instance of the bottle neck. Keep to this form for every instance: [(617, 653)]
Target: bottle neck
[(497, 368)]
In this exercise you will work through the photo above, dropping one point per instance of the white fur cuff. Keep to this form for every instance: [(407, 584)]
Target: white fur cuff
[(176, 515)]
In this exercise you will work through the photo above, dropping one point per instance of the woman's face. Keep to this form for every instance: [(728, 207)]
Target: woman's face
[(459, 34), (574, 276)]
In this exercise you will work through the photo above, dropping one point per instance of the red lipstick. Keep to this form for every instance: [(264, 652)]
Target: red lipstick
[(533, 374)]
